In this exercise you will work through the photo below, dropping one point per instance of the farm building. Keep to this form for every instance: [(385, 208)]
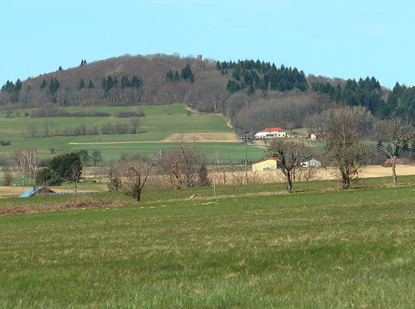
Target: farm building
[(267, 164), (311, 163), (37, 191), (388, 162), (316, 136), (270, 133), (42, 191)]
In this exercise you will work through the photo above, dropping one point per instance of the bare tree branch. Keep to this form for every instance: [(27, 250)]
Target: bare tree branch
[(397, 133)]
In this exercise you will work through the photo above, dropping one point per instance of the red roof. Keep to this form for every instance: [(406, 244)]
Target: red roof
[(273, 129), (388, 162), (274, 159)]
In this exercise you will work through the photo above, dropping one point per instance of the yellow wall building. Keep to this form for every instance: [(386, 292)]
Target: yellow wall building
[(267, 164)]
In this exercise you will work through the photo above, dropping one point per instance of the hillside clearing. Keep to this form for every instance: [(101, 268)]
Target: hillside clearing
[(159, 129)]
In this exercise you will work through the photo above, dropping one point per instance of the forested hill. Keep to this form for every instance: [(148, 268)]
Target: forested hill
[(254, 94)]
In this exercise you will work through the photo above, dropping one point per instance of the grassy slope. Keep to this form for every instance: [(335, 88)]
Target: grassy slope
[(157, 125), (313, 249)]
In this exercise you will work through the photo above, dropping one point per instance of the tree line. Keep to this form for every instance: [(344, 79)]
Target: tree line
[(186, 74), (365, 92), (256, 75), (57, 112), (49, 128), (243, 91)]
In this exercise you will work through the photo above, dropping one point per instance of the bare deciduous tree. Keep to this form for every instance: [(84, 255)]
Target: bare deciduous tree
[(291, 153), (135, 123), (27, 163), (397, 133), (76, 175), (187, 160), (32, 129), (4, 164), (130, 177), (343, 145)]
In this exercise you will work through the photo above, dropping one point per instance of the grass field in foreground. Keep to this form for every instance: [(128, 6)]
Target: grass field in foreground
[(312, 249)]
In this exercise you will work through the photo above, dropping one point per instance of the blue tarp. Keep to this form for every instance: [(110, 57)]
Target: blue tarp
[(31, 192), (35, 190)]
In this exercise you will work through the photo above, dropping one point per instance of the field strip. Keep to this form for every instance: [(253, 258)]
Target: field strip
[(114, 143), (213, 137)]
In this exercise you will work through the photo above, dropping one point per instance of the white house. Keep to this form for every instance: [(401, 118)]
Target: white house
[(270, 133), (311, 163)]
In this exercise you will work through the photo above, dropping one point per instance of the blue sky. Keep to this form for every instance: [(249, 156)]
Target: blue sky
[(346, 39)]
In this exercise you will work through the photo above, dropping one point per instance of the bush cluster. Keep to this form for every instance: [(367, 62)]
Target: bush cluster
[(56, 112), (129, 114)]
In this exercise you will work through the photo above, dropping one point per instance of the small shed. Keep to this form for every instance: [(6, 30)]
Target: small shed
[(37, 191), (267, 164)]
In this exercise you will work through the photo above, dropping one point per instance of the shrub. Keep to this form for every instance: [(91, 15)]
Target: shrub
[(5, 143), (8, 178), (130, 114), (45, 176), (115, 184), (57, 112)]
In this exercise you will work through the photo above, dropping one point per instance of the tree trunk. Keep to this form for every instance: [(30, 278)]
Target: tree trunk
[(345, 179), (395, 181), (138, 196), (75, 191), (289, 182)]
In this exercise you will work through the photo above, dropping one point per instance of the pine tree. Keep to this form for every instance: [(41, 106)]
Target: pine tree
[(136, 82), (107, 84), (81, 84), (44, 84), (169, 75), (18, 85), (8, 87), (232, 86), (187, 73), (53, 86), (125, 82)]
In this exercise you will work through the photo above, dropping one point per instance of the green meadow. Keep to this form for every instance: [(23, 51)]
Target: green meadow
[(249, 247), (158, 124)]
